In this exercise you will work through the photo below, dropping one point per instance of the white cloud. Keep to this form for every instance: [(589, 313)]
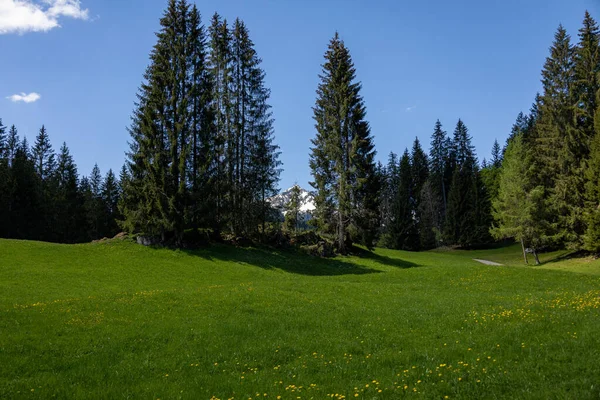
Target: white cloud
[(26, 98), (22, 16), (409, 109)]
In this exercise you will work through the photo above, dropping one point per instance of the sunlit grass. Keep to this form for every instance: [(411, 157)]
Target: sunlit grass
[(113, 320)]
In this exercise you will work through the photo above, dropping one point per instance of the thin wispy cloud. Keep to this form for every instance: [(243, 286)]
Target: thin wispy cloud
[(25, 98), (411, 108), (22, 16)]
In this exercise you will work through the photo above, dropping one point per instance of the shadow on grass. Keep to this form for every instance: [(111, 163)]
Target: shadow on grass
[(286, 260), (568, 255), (385, 260)]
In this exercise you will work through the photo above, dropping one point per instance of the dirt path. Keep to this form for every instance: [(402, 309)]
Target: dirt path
[(486, 262)]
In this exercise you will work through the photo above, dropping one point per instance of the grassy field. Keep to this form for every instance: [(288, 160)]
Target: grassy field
[(117, 320)]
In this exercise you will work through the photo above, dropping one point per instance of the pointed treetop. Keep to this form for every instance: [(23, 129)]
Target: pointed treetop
[(496, 155)]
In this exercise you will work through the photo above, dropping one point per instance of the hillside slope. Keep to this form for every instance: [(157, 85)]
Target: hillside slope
[(111, 320)]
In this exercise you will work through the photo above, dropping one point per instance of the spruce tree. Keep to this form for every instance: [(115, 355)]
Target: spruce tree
[(43, 155), (468, 211), (3, 141), (429, 211), (220, 71), (202, 125), (440, 172), (342, 156), (45, 165), (264, 165), (496, 155), (389, 188), (490, 173), (12, 144), (420, 174), (520, 126), (26, 201), (403, 232), (254, 156), (557, 143), (94, 206), (5, 181), (592, 196), (73, 224), (110, 200), (292, 210), (518, 209), (161, 135), (586, 80)]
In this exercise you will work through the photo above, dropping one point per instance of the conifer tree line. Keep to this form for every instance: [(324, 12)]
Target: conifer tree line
[(42, 196), (542, 188), (440, 199), (203, 161), (202, 157), (414, 202), (549, 182)]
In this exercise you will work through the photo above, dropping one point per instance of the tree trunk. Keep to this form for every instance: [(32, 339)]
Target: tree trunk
[(524, 252), (341, 233), (537, 260)]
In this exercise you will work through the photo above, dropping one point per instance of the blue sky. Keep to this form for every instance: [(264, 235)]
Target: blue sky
[(417, 60)]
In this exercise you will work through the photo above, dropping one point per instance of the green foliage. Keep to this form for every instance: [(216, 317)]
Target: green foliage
[(419, 164), (292, 210), (342, 156), (202, 150), (467, 216), (519, 208), (43, 155), (592, 235), (403, 233), (41, 197), (490, 174)]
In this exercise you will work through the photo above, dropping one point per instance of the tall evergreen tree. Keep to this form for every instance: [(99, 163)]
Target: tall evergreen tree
[(109, 200), (496, 155), (490, 173), (43, 155), (220, 71), (520, 126), (73, 225), (24, 207), (264, 165), (556, 142), (3, 140), (160, 134), (202, 125), (420, 174), (440, 170), (518, 209), (292, 210), (5, 181), (94, 206), (45, 165), (592, 196), (466, 220), (253, 156), (403, 232), (389, 188), (429, 211), (342, 155), (12, 144), (586, 80)]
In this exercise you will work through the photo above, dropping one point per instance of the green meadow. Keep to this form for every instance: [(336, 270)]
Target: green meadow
[(116, 320)]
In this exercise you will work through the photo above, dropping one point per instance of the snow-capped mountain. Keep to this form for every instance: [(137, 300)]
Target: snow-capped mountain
[(307, 202)]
